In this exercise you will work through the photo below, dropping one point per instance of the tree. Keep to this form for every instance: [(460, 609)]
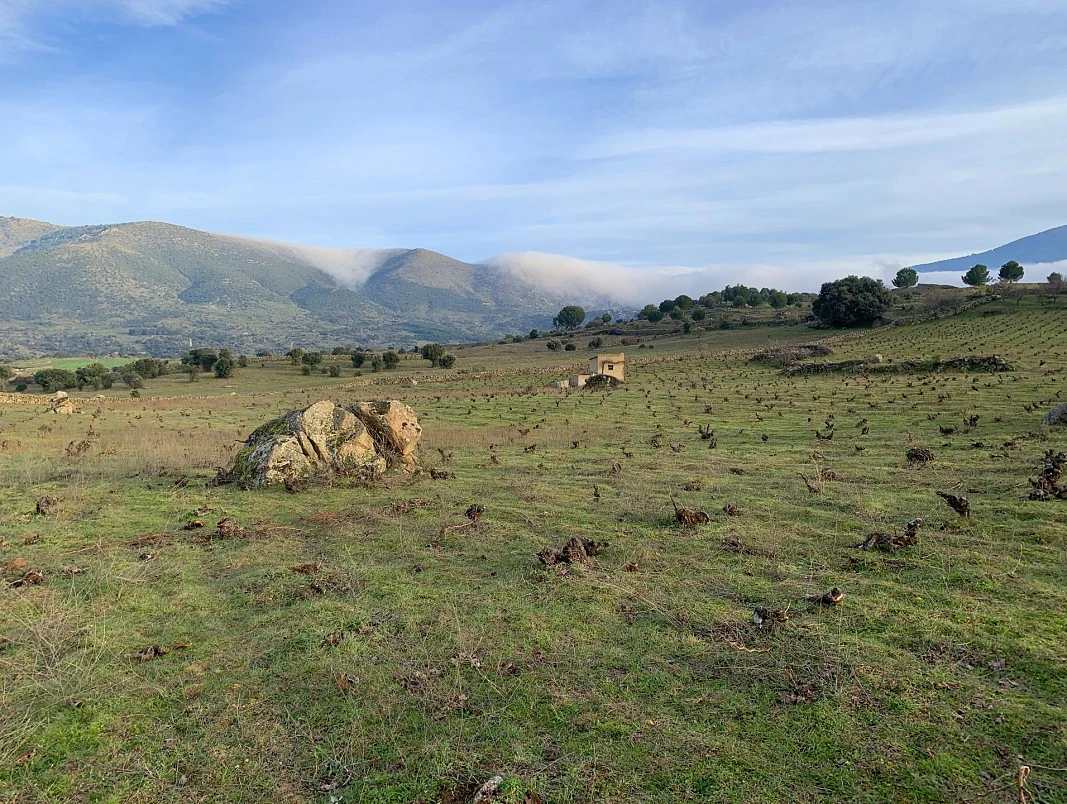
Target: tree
[(852, 301), (906, 278), (359, 357), (311, 358), (977, 276), (5, 374), (204, 358), (656, 315), (698, 314), (676, 313), (224, 367), (534, 334), (569, 317), (390, 359), (132, 379), (683, 301), (295, 356), (93, 376), (433, 352), (335, 371), (778, 299), (52, 380), (447, 361), (1055, 279), (242, 361), (376, 363), (606, 318), (1011, 272)]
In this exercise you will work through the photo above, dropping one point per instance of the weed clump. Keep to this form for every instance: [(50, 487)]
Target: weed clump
[(576, 551), (957, 502), (890, 543), (919, 456), (1047, 484)]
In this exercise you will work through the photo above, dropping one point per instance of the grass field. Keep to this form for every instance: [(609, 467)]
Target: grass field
[(639, 676)]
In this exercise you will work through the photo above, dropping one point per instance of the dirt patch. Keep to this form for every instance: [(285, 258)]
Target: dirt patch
[(155, 651)]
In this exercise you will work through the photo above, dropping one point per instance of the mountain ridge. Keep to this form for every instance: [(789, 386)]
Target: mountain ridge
[(152, 286), (1047, 246)]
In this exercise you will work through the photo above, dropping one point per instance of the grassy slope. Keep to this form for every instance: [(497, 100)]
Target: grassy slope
[(942, 668)]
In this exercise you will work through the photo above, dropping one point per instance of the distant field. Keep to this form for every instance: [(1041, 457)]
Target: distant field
[(638, 677), (69, 363)]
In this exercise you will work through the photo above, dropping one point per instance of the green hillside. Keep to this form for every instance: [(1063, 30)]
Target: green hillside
[(154, 286)]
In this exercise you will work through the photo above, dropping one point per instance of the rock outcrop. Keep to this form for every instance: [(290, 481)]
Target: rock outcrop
[(325, 440), (61, 404)]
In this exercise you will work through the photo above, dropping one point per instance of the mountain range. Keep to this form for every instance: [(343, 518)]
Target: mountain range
[(1043, 247), (153, 287)]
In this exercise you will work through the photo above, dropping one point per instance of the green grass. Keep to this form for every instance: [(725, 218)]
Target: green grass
[(68, 363), (638, 677)]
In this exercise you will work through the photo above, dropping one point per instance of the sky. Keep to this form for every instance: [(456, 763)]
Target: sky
[(679, 143)]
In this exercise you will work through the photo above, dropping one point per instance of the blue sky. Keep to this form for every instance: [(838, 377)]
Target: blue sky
[(758, 141)]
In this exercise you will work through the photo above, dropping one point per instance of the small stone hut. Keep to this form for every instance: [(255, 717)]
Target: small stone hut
[(610, 365)]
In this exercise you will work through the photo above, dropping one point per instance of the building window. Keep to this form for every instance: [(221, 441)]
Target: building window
[(611, 366)]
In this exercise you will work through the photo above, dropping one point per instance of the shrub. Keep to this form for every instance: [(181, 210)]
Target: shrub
[(305, 370), (335, 371), (242, 361), (698, 314), (447, 361), (390, 359), (359, 357), (596, 343), (376, 363), (224, 367), (52, 380), (852, 301), (570, 347), (554, 346)]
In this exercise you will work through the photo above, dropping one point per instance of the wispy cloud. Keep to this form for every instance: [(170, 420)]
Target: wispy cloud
[(23, 22), (679, 133)]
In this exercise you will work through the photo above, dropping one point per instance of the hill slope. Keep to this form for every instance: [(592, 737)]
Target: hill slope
[(155, 286), (1047, 246)]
